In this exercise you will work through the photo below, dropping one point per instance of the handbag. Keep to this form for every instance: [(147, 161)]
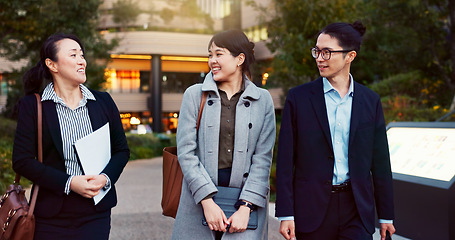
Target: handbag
[(226, 198), (172, 173), (17, 221)]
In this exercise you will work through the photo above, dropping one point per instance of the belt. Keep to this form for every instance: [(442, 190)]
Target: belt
[(344, 187)]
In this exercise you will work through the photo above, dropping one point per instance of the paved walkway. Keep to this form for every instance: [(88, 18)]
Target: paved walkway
[(138, 213)]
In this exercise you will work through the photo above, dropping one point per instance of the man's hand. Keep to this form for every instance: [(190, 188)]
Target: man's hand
[(86, 185), (287, 229), (386, 227), (215, 217)]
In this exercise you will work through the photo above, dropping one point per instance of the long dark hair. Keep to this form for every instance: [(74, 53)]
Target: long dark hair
[(349, 36), (236, 42), (36, 76)]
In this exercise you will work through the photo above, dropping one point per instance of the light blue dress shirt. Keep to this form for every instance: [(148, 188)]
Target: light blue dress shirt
[(339, 116)]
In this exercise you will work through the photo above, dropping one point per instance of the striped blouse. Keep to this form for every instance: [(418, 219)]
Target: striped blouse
[(74, 125)]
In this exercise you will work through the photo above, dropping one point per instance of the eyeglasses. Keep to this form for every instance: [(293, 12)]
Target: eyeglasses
[(326, 53)]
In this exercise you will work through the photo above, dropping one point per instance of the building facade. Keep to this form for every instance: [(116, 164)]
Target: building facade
[(163, 50)]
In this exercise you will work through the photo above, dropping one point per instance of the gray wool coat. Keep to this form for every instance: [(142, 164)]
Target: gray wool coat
[(198, 157)]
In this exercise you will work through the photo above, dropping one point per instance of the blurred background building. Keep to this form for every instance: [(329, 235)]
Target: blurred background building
[(162, 50)]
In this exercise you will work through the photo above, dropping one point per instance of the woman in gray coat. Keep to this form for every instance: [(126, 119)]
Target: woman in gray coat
[(233, 147)]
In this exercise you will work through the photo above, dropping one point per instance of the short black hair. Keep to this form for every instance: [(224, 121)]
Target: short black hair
[(349, 36)]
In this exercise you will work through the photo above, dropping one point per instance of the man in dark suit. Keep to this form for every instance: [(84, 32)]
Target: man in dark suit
[(333, 165)]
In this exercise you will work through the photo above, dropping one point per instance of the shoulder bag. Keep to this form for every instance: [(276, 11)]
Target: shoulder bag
[(16, 216), (172, 173)]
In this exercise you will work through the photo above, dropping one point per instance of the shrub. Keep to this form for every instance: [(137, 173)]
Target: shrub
[(412, 97), (7, 130), (148, 145)]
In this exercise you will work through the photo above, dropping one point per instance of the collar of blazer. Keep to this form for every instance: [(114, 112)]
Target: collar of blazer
[(318, 101), (51, 119), (251, 91)]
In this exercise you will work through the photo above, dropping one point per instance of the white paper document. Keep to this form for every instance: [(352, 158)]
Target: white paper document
[(94, 153)]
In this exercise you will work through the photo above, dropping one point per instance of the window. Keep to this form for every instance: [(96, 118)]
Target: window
[(123, 81)]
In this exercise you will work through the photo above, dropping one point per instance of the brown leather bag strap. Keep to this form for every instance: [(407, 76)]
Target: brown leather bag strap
[(40, 150), (40, 127), (201, 107)]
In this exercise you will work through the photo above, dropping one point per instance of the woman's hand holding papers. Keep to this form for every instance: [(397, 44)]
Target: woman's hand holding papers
[(88, 185)]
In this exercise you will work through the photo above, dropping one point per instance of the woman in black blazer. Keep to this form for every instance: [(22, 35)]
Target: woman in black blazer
[(65, 208)]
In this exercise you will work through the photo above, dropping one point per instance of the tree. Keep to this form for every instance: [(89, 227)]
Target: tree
[(190, 9), (451, 22), (401, 37), (292, 32), (125, 12), (167, 15), (407, 36), (25, 25)]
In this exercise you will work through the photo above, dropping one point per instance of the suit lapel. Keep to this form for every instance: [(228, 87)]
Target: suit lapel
[(356, 112), (319, 107), (95, 113), (51, 119)]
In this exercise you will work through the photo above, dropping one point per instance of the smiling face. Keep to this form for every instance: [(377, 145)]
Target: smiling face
[(70, 65), (339, 63), (223, 65)]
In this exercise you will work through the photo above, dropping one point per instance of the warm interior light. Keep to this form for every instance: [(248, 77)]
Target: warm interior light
[(135, 121), (164, 58)]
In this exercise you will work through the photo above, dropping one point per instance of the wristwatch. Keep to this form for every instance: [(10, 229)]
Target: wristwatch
[(241, 203)]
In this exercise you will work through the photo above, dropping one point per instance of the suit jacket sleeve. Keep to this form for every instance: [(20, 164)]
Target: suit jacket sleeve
[(25, 148), (381, 169), (285, 161)]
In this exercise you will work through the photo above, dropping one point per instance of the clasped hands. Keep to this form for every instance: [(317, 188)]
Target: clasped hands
[(217, 220), (88, 186)]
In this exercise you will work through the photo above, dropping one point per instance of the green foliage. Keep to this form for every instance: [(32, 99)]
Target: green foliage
[(293, 33), (7, 130), (402, 38), (26, 24), (148, 145), (425, 91), (167, 15), (125, 11), (272, 178), (190, 9), (411, 97)]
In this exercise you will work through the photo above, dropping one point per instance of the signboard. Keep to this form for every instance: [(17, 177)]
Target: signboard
[(423, 152)]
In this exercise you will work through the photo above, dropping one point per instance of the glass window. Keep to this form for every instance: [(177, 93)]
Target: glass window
[(176, 82)]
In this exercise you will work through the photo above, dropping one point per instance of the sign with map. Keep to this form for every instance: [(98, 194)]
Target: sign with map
[(423, 152)]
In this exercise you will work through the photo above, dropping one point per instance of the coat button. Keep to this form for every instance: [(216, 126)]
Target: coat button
[(331, 157), (250, 125), (245, 174), (210, 102), (247, 104), (327, 182)]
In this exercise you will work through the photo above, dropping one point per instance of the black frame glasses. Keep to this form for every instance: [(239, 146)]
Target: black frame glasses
[(326, 53)]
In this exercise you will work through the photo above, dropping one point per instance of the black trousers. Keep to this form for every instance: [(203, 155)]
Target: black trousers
[(78, 220), (342, 221)]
